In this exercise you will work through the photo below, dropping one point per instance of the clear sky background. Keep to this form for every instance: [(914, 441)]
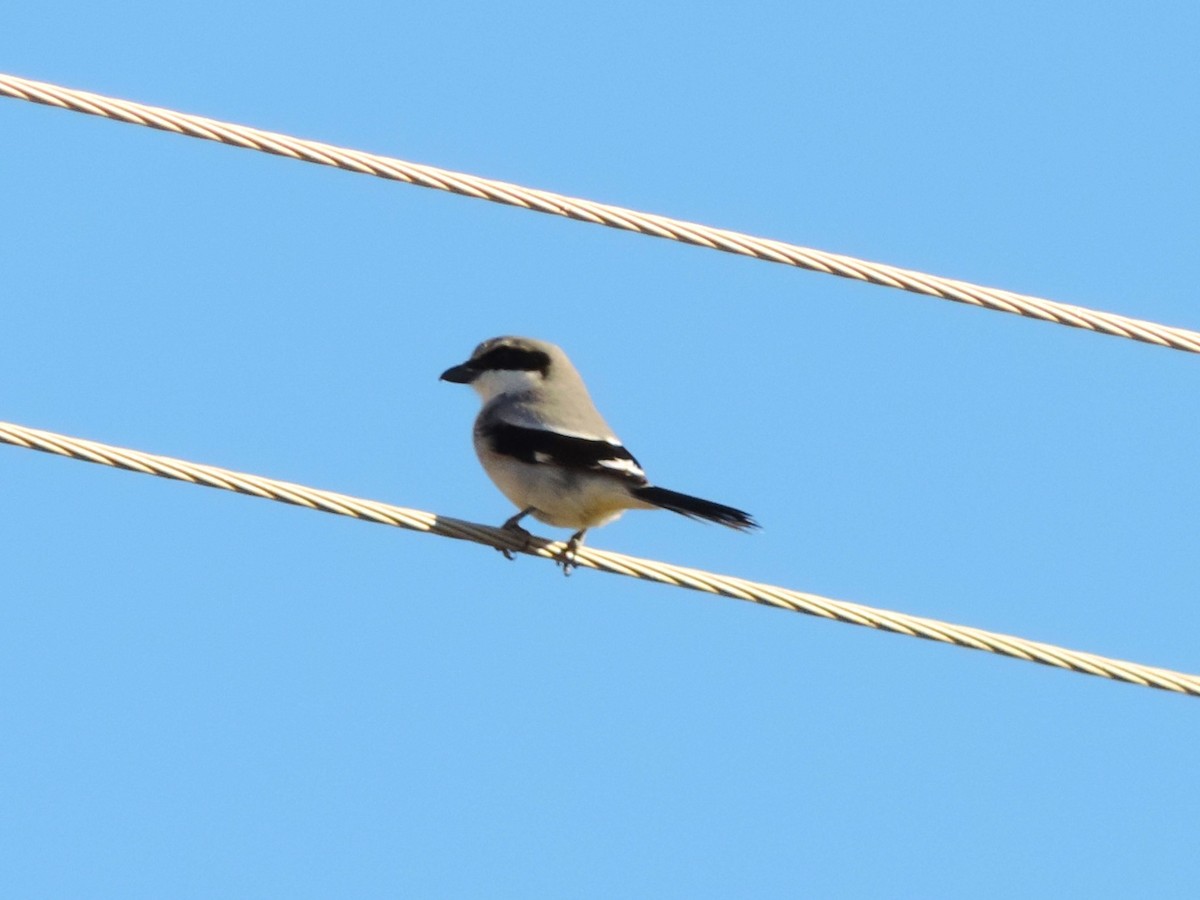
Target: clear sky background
[(209, 695)]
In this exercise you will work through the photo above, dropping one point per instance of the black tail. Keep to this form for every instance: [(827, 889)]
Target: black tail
[(695, 508)]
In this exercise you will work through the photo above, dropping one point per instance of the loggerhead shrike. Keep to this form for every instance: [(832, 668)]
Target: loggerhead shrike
[(544, 444)]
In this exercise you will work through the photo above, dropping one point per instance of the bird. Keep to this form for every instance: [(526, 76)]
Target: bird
[(544, 444)]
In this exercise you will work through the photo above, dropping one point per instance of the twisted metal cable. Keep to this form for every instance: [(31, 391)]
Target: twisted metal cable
[(600, 213), (650, 570)]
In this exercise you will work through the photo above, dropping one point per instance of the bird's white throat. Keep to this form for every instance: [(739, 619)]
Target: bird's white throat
[(495, 382)]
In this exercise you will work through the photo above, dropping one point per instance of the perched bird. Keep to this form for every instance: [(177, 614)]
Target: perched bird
[(544, 444)]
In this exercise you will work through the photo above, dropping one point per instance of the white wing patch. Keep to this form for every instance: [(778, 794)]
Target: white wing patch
[(627, 466)]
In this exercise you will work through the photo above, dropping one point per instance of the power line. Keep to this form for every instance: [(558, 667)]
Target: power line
[(600, 213), (651, 570)]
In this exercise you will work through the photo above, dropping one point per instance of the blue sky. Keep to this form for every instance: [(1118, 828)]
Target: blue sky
[(203, 694)]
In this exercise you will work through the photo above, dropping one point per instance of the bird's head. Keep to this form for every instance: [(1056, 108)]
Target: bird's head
[(506, 365)]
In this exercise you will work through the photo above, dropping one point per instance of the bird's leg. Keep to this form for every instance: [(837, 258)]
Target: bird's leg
[(511, 525), (567, 560)]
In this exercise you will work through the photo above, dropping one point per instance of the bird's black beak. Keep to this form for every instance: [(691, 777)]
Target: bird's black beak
[(459, 374)]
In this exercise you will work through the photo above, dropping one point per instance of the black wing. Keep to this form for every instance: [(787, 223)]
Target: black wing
[(536, 445)]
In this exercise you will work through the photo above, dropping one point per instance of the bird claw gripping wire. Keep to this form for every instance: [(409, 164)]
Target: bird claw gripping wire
[(511, 525), (568, 557)]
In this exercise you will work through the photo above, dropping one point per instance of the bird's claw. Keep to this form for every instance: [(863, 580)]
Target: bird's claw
[(567, 559), (525, 535)]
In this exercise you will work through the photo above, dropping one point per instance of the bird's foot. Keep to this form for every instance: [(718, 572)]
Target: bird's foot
[(567, 559), (510, 524), (516, 529)]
